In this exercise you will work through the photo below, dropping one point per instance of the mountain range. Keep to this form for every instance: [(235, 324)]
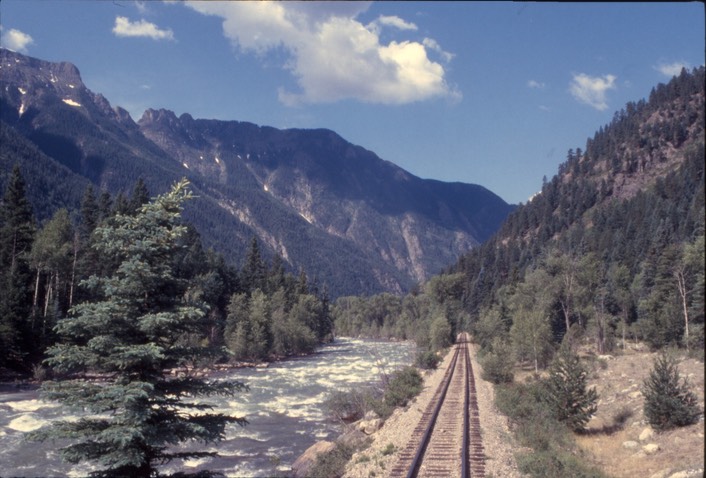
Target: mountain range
[(349, 219)]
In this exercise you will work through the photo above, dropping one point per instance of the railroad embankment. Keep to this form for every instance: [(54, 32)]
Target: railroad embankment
[(378, 459)]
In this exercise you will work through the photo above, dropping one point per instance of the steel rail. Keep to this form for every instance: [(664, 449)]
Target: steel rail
[(417, 461)]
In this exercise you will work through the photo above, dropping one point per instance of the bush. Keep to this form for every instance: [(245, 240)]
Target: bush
[(668, 401), (535, 426), (427, 360), (553, 464), (498, 364), (333, 463), (350, 405), (404, 385)]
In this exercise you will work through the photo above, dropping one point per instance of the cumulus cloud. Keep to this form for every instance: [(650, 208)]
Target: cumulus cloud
[(671, 69), (332, 55), (591, 90), (535, 84), (15, 40), (125, 28)]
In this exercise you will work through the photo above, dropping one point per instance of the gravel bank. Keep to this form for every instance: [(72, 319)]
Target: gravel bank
[(378, 459)]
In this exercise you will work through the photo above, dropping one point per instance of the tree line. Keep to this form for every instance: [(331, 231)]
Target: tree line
[(255, 312)]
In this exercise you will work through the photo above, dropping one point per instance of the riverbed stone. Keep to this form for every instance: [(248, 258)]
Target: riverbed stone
[(303, 464)]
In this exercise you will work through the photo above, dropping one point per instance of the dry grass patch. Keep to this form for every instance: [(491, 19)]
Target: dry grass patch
[(612, 440)]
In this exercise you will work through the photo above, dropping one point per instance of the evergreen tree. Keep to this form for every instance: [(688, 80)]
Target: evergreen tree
[(140, 196), (132, 337), (16, 237), (255, 271), (566, 394), (668, 401)]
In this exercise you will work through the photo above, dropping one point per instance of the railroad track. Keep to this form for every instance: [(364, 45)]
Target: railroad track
[(447, 441)]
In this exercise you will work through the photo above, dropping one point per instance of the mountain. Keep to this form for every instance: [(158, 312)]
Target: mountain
[(351, 220), (633, 199)]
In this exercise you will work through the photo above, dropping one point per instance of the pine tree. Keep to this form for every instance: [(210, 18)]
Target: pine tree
[(566, 390), (131, 337), (668, 401), (16, 237)]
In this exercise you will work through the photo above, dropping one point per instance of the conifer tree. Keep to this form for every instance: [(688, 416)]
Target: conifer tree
[(131, 337), (668, 401), (566, 390), (16, 236)]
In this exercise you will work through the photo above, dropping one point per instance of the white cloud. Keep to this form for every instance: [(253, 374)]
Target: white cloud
[(392, 21), (332, 55), (15, 40), (434, 45), (125, 28), (535, 84), (591, 90), (671, 69)]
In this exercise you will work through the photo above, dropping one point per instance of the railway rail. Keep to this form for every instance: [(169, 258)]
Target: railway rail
[(447, 441)]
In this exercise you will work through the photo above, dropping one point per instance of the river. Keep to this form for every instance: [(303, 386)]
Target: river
[(283, 407)]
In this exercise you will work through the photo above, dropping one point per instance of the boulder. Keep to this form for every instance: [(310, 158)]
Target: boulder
[(370, 426), (651, 448), (666, 473), (303, 464), (646, 434), (688, 474), (353, 438), (630, 445)]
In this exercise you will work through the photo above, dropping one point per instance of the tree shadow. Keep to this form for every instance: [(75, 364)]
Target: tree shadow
[(620, 419)]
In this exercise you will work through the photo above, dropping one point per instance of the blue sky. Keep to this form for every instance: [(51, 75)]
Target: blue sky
[(491, 93)]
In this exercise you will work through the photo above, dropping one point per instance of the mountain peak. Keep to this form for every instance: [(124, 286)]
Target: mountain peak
[(30, 71)]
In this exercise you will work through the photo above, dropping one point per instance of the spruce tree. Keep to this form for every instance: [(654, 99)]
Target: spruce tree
[(566, 389), (131, 337), (16, 236), (668, 401)]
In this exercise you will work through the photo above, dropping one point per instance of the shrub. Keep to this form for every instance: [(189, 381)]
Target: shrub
[(404, 384), (333, 463), (533, 422), (350, 405), (388, 450), (427, 360), (498, 365), (668, 401), (554, 464)]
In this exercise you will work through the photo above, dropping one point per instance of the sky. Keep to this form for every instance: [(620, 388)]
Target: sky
[(489, 93)]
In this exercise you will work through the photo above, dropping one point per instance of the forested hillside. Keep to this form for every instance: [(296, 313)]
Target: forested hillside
[(612, 249), (255, 312)]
